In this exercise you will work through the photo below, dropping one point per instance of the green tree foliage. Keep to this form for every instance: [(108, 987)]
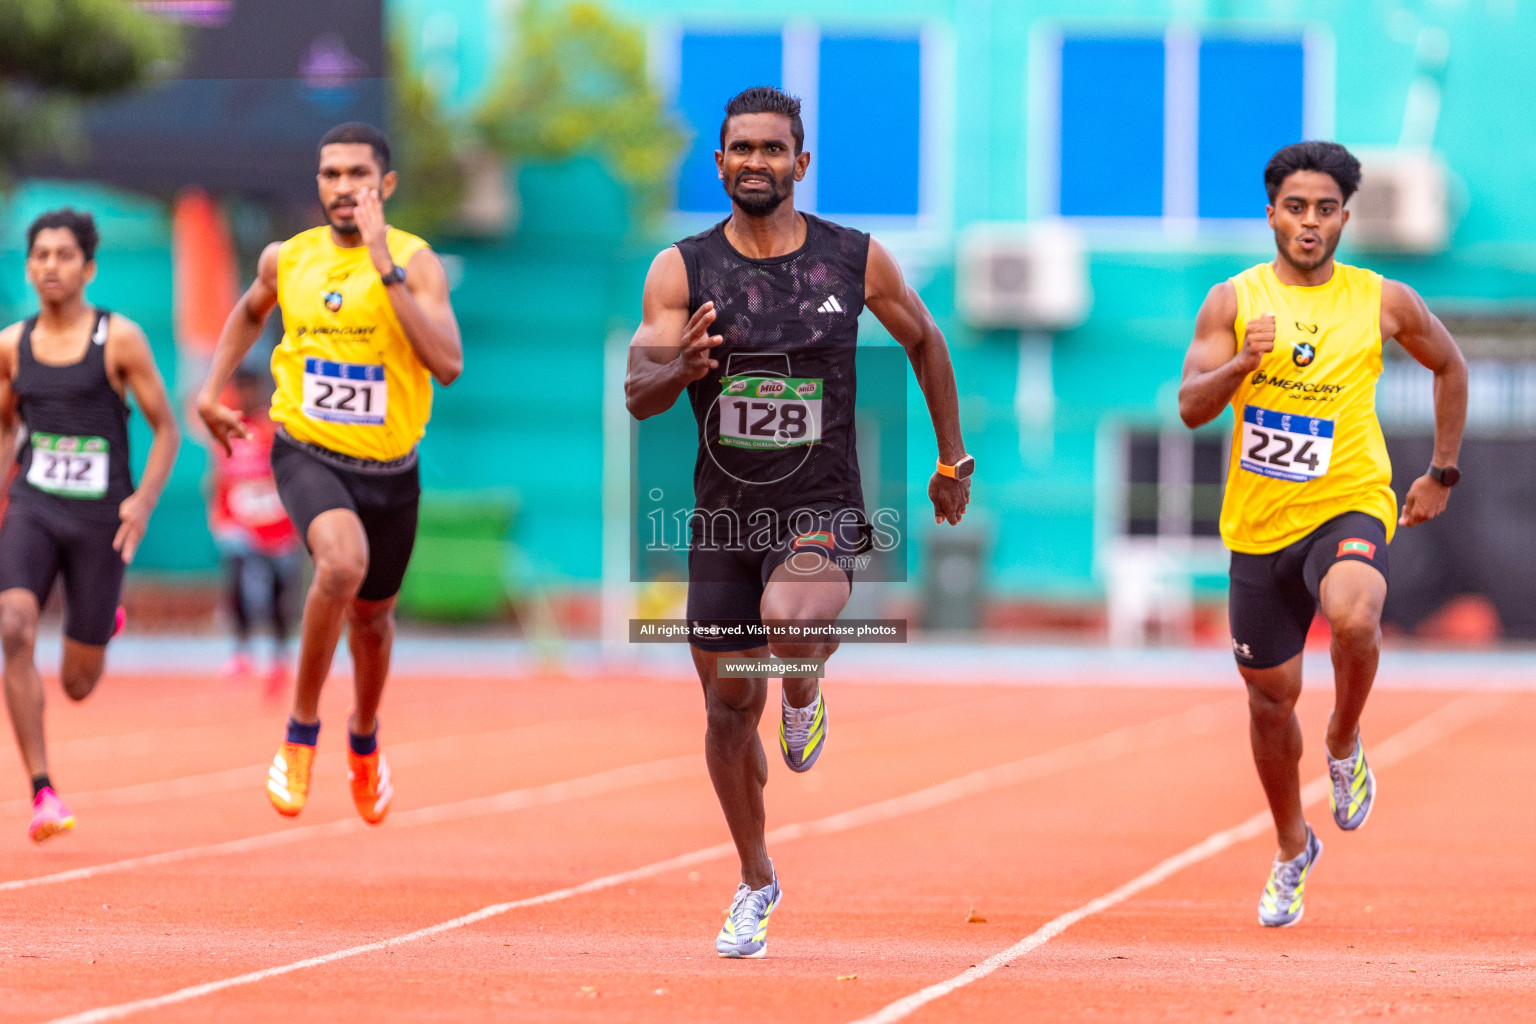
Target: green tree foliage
[(575, 83), (54, 51), (84, 47), (426, 153)]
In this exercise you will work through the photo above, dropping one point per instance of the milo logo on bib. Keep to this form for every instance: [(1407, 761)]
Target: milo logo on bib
[(766, 413), (71, 467)]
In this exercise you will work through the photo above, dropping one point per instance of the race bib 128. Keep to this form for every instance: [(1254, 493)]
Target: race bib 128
[(770, 412), (345, 392), (71, 467), (1284, 445)]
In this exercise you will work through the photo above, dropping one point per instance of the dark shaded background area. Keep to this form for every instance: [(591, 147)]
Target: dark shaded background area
[(1484, 543), (251, 98)]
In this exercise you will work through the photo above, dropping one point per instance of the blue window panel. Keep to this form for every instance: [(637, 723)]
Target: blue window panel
[(1111, 127), (1251, 97), (869, 135), (715, 67)]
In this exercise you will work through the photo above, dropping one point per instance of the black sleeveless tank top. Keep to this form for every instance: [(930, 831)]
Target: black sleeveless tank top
[(776, 418), (74, 458)]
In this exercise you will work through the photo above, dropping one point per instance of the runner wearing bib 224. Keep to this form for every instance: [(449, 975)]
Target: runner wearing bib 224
[(1294, 346), (366, 327)]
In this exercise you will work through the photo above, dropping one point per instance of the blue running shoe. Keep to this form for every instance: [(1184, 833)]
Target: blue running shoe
[(745, 933), (802, 733), (1280, 906), (1353, 790)]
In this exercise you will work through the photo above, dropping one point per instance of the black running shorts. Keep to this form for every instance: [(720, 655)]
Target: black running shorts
[(311, 481), (1274, 596), (37, 545), (726, 580)]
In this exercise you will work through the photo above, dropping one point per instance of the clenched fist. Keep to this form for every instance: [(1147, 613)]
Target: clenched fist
[(1258, 339)]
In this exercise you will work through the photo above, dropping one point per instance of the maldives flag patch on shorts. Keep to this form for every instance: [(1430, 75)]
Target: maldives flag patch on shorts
[(1356, 546), (817, 538)]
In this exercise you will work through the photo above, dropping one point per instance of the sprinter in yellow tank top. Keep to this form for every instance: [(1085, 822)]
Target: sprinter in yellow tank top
[(1294, 346), (367, 326)]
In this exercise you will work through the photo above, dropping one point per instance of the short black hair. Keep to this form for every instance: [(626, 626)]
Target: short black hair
[(1328, 158), (766, 99), (79, 223), (363, 132)]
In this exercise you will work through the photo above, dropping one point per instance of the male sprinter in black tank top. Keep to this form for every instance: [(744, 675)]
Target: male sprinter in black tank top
[(73, 510), (780, 514)]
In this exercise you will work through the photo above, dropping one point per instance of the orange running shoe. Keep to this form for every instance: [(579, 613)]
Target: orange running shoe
[(371, 788), (288, 778)]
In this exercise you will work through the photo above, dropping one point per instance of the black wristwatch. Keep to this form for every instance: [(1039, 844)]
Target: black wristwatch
[(1445, 476), (396, 275)]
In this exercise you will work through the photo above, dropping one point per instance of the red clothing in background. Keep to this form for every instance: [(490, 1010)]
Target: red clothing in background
[(245, 497)]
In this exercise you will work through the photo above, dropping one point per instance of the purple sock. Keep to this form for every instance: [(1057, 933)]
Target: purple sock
[(298, 732), (362, 746)]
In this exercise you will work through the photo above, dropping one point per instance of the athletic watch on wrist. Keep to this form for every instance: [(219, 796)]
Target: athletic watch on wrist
[(395, 275), (1445, 476), (960, 470)]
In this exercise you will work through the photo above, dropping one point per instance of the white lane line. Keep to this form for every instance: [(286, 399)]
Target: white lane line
[(418, 751), (401, 755), (1184, 725), (153, 792), (1430, 729), (412, 752), (627, 777), (213, 733)]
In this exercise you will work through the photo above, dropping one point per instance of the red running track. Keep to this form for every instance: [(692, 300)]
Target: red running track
[(577, 815)]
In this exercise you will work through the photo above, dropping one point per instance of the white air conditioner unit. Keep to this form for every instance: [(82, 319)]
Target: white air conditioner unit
[(1403, 204), (1022, 276)]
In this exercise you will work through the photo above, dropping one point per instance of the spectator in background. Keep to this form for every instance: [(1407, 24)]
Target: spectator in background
[(258, 543)]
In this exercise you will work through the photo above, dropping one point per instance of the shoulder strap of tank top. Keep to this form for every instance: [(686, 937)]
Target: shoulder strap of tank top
[(693, 251), (100, 327), (24, 345)]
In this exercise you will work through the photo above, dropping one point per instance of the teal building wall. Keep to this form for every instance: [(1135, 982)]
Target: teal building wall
[(537, 308)]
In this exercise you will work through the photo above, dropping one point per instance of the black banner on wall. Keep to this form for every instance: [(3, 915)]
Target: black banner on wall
[(261, 82), (1484, 543)]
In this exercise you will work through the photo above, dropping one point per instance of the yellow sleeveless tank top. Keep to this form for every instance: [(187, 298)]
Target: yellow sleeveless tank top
[(347, 378), (1306, 444)]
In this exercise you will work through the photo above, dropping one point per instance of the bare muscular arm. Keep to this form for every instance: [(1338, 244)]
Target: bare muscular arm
[(671, 349), (241, 330), (1214, 367), (1405, 317), (902, 312), (130, 360)]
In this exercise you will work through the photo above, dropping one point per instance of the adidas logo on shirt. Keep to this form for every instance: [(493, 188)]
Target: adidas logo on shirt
[(830, 306)]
